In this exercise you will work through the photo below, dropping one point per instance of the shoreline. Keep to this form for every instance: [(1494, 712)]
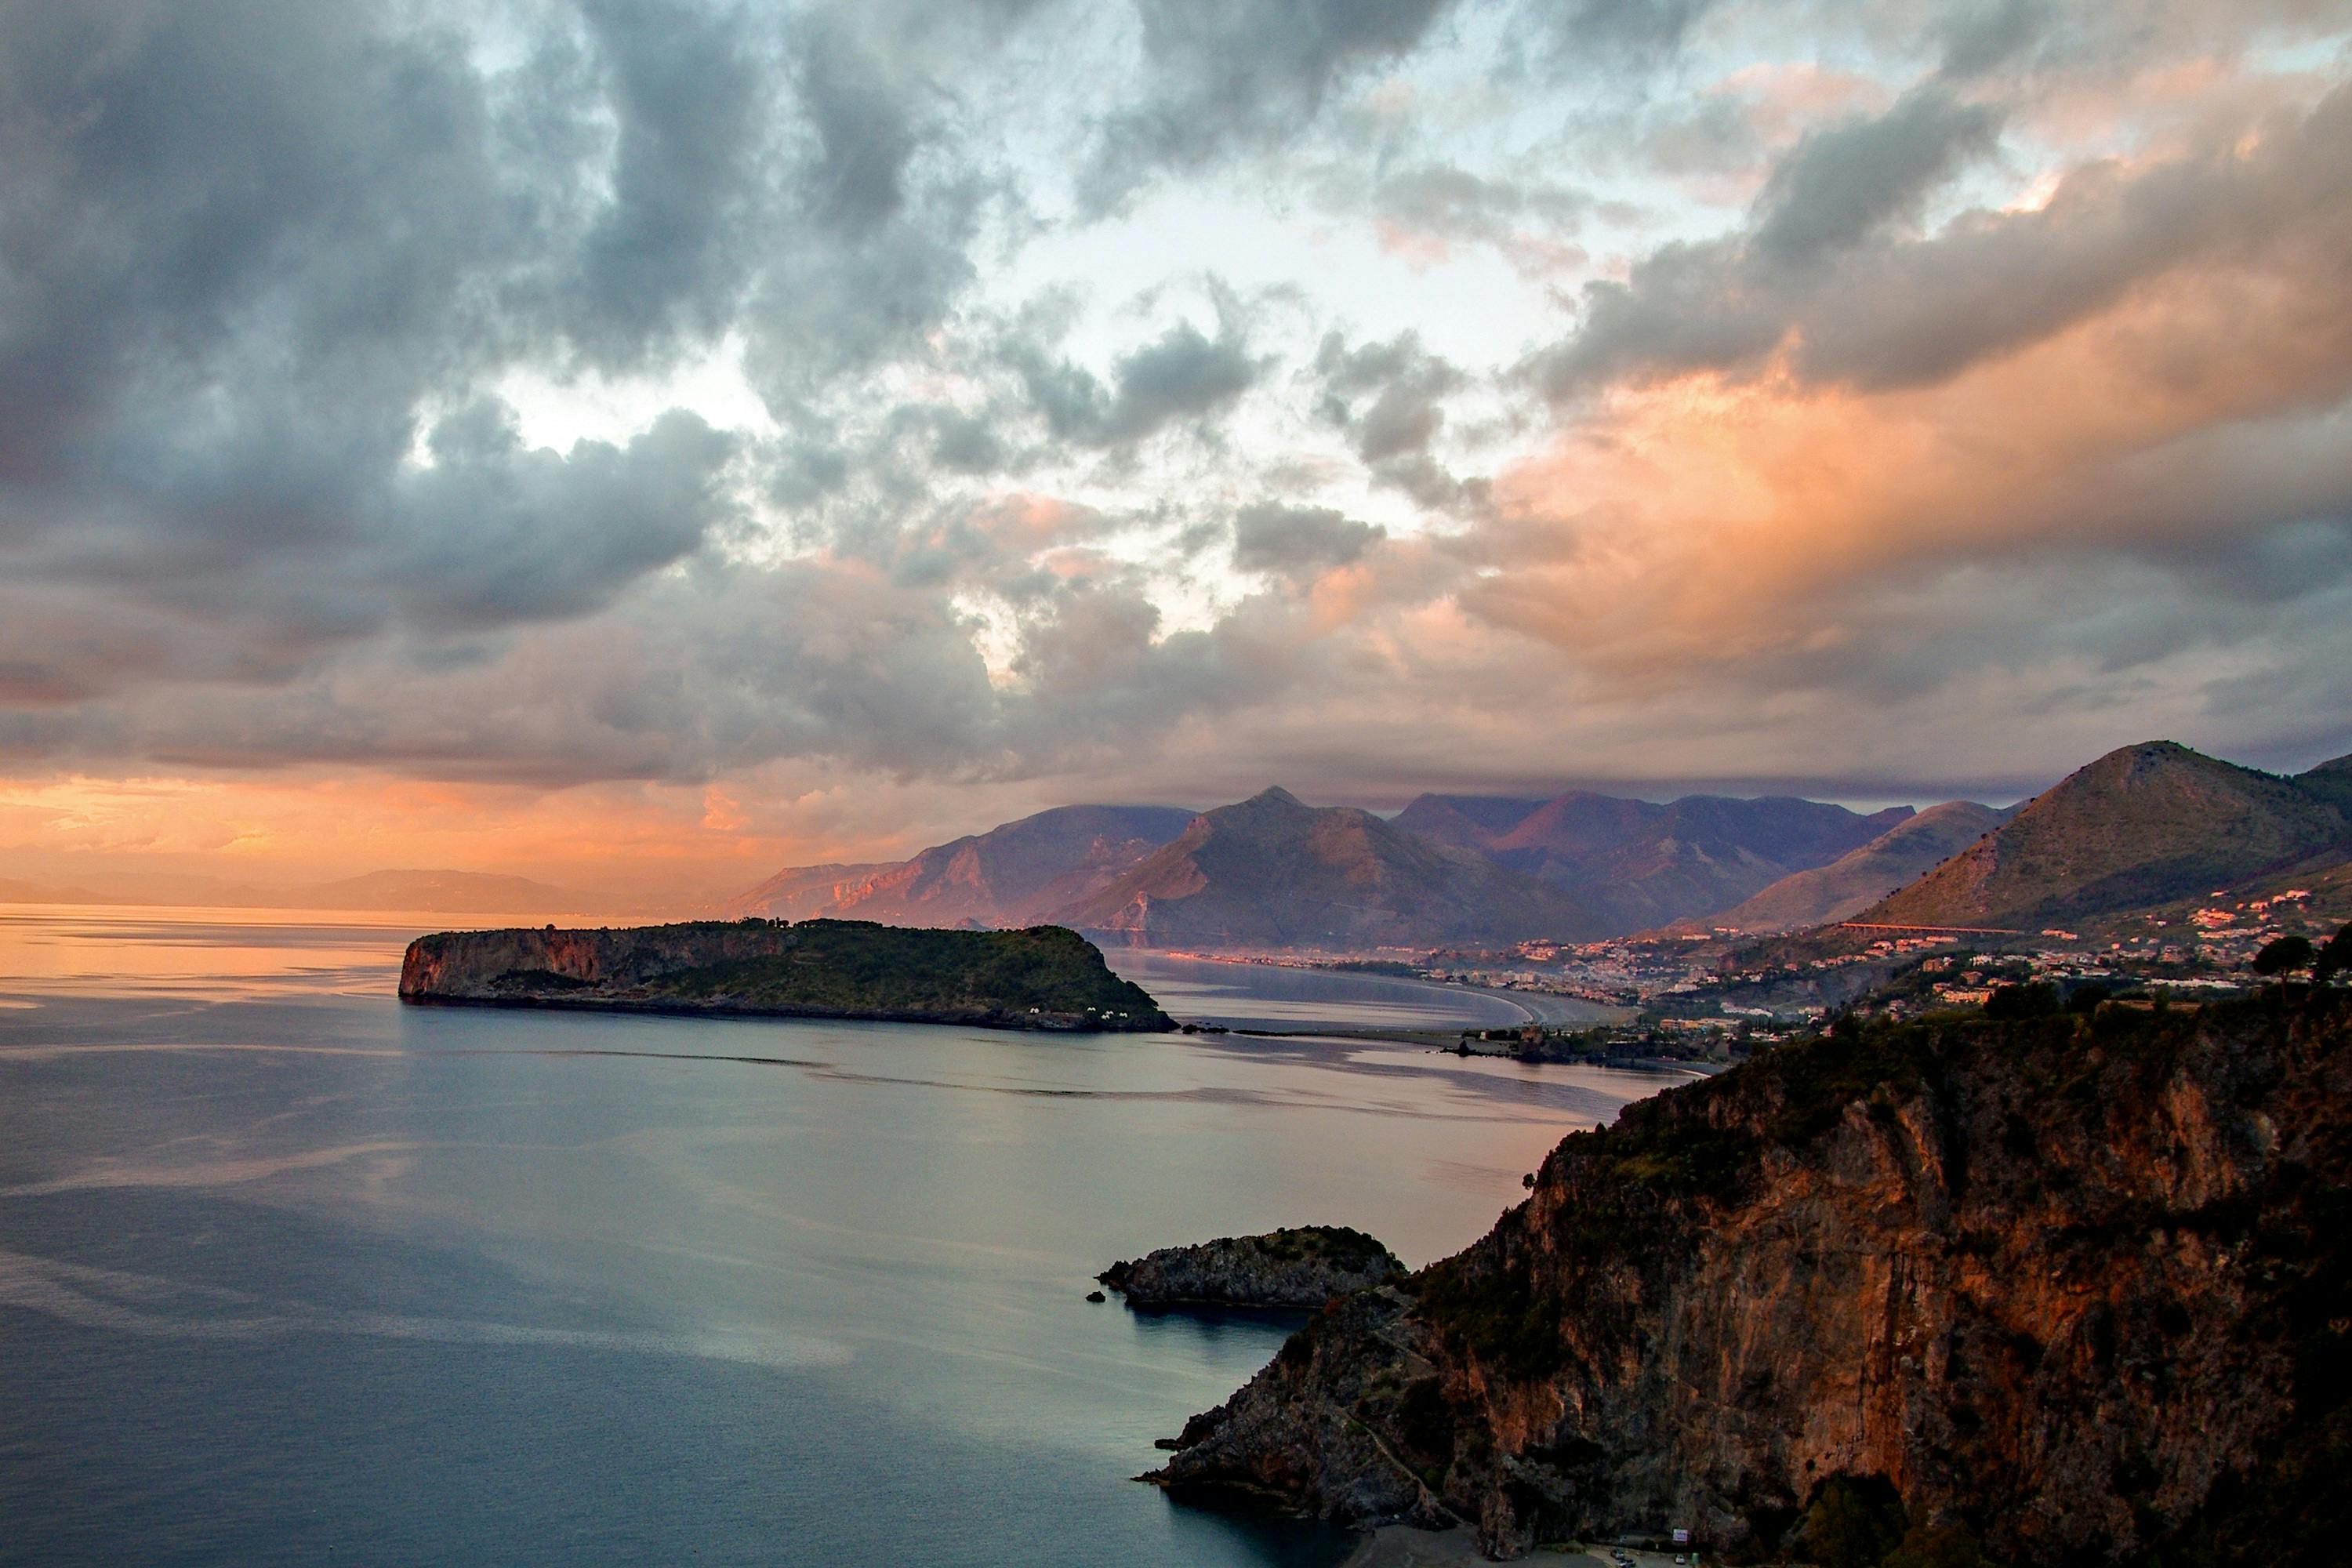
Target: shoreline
[(1407, 1546), (780, 1010)]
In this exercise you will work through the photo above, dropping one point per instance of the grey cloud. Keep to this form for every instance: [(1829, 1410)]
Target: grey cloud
[(670, 252), (1642, 26), (1404, 384), (698, 672), (963, 444), (1842, 185), (1233, 74), (253, 255), (1976, 38), (494, 533), (1451, 202), (1298, 542), (1182, 375), (864, 131)]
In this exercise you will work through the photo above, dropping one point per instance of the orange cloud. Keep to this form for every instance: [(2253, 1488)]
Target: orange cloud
[(1707, 520)]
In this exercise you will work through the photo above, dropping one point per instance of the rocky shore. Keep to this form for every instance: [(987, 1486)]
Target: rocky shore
[(1041, 978), (2073, 1290), (1300, 1267)]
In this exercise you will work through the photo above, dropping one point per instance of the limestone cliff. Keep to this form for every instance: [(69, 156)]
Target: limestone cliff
[(2079, 1285), (1042, 977)]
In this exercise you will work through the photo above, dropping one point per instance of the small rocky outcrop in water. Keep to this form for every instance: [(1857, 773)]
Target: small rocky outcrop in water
[(1303, 1267), (2079, 1288)]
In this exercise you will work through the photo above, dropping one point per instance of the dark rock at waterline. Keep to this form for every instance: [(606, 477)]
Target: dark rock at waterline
[(1097, 1296), (1300, 1267)]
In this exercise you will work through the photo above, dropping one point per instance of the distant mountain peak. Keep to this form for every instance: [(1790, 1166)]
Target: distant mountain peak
[(1637, 864), (2138, 826), (1272, 871), (1007, 876)]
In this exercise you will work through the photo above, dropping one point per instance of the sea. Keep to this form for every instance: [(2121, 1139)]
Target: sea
[(290, 1273)]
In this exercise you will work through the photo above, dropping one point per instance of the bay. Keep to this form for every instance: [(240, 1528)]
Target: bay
[(290, 1273)]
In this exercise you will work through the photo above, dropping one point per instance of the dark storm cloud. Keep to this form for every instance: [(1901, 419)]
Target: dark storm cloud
[(1228, 75), (1882, 309), (1300, 542), (257, 259)]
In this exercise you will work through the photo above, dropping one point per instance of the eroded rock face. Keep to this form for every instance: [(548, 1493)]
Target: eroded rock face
[(1304, 1267), (2081, 1286)]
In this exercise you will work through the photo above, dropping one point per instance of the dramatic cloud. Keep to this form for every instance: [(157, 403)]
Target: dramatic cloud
[(1298, 542), (830, 423), (1226, 74)]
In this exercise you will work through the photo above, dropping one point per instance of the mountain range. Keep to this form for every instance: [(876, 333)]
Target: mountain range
[(1272, 871), (2139, 827), (1634, 864), (1859, 878), (1022, 873)]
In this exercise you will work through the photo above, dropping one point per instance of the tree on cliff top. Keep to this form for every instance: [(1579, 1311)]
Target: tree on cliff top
[(2285, 956), (2335, 959)]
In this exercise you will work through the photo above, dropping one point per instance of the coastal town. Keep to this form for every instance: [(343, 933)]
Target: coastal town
[(1711, 998)]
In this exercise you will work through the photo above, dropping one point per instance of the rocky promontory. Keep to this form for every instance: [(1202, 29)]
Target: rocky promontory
[(1041, 978), (2066, 1291), (1302, 1266)]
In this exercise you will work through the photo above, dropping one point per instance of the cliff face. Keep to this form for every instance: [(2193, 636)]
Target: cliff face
[(1042, 977), (498, 965), (2080, 1287)]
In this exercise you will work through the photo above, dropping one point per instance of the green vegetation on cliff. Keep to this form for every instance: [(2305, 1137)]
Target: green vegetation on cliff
[(857, 965), (1044, 977)]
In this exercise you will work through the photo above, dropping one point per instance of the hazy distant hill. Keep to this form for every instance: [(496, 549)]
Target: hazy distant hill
[(443, 892), (1855, 880), (13, 891), (440, 893), (1013, 875), (797, 893), (2139, 827), (1272, 870), (1635, 863)]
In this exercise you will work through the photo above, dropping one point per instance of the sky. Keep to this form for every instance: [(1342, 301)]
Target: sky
[(642, 445)]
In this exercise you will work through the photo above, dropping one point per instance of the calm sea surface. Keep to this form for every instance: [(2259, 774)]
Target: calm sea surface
[(290, 1273)]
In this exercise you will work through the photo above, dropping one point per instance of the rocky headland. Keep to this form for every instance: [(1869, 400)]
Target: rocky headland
[(2069, 1290), (1041, 978), (1303, 1267)]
